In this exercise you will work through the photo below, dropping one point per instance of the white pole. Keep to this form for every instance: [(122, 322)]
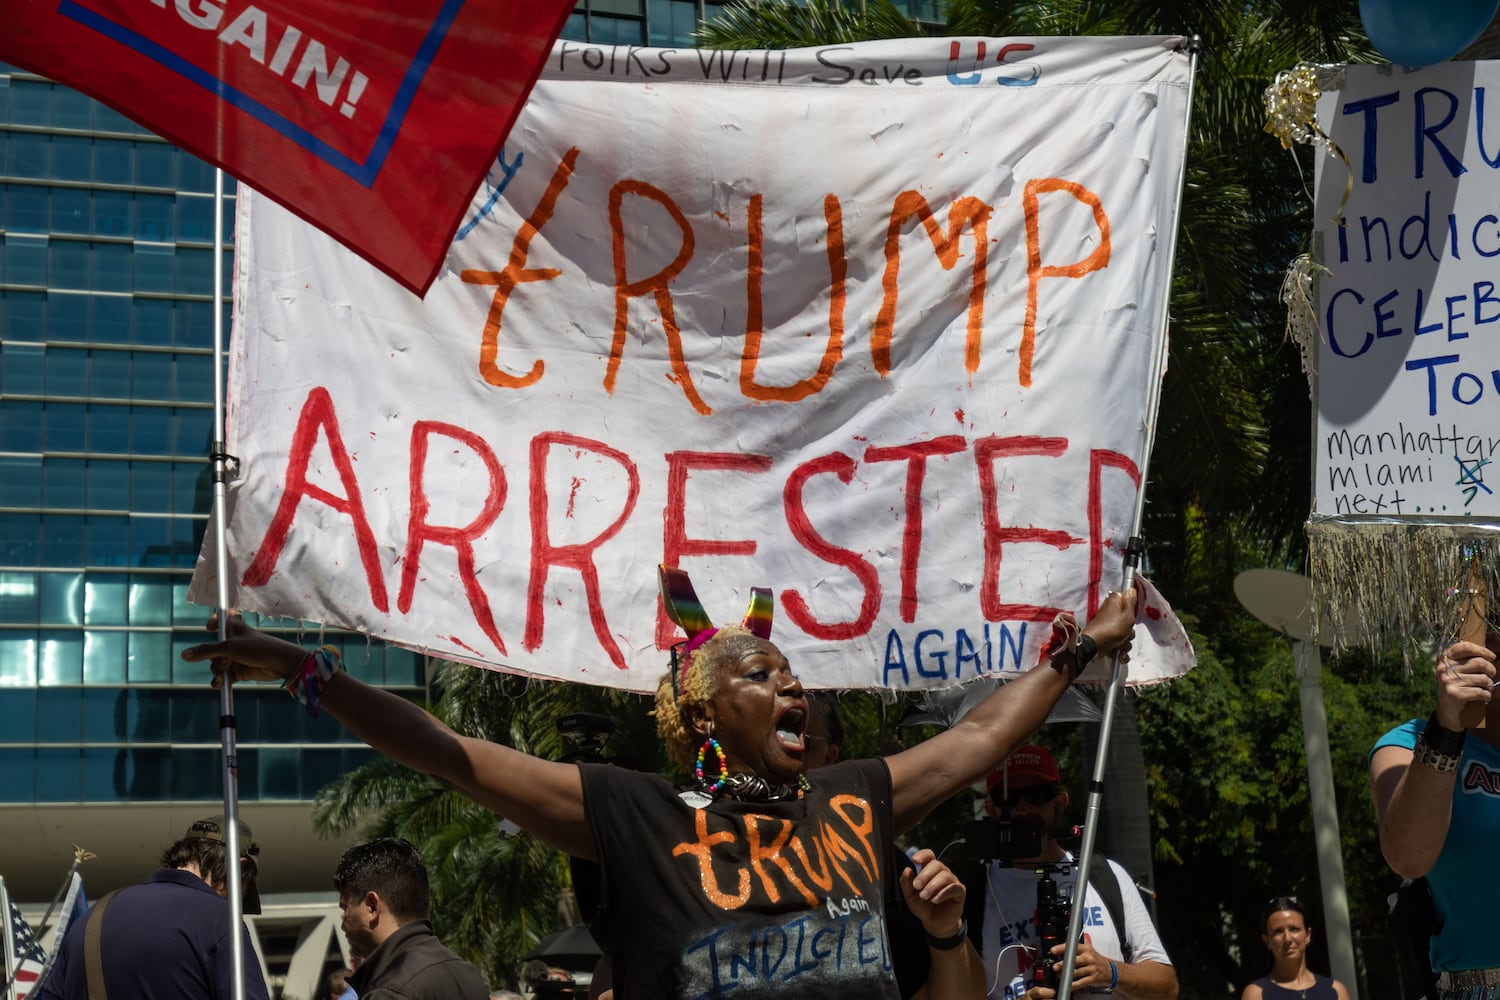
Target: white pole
[(222, 475), (1325, 817)]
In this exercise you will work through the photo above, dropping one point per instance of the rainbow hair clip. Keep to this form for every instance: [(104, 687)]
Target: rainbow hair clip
[(684, 608)]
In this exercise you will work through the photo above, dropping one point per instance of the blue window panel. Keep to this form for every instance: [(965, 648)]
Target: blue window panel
[(195, 716), (195, 325), (104, 657), (155, 267), (103, 714), (155, 166), (20, 539), (25, 260), (108, 540), (153, 324), (151, 487), (155, 216), (280, 773), (67, 372), (59, 716), (195, 373), (71, 109), (108, 427), (194, 174), (101, 769), (319, 768), (187, 541), (150, 601), (607, 30), (114, 161), (151, 541), (70, 211), (17, 774), (403, 667), (149, 657), (17, 712), (22, 368), (186, 614), (57, 774), (145, 774), (672, 21), (30, 102), (110, 266), (23, 315), (19, 601), (576, 28), (108, 484), (110, 374), (27, 155), (61, 599), (26, 208), (192, 429), (72, 158), (110, 319), (151, 375), (195, 217), (17, 661), (60, 658), (229, 212), (112, 214), (365, 661), (195, 272), (197, 776), (192, 487), (104, 599), (151, 430), (20, 483), (63, 542), (68, 264), (67, 316), (4, 136), (108, 120), (64, 427), (63, 484)]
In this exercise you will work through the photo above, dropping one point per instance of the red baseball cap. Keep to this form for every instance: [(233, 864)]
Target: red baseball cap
[(1029, 764)]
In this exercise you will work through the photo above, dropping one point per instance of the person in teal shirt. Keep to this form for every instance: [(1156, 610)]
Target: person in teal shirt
[(1436, 786)]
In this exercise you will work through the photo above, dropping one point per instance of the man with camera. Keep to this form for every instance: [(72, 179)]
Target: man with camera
[(1020, 901)]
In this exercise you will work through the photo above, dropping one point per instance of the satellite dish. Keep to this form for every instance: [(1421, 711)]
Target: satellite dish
[(1283, 600)]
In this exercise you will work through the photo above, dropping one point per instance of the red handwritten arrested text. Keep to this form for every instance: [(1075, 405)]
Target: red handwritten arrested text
[(319, 421)]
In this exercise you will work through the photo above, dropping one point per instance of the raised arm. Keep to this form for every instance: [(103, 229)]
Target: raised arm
[(1414, 801), (935, 896), (934, 770), (542, 797)]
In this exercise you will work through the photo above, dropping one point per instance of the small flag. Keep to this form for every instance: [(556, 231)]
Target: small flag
[(23, 951), (74, 905)]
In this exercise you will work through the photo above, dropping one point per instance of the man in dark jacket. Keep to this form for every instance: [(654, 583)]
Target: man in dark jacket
[(169, 937), (382, 890)]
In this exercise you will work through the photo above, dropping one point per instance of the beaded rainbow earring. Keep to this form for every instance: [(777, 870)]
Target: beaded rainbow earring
[(723, 778)]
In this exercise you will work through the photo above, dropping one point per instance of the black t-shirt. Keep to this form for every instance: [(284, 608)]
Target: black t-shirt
[(761, 900)]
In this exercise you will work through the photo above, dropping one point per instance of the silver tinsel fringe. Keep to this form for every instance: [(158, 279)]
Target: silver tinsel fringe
[(1377, 581)]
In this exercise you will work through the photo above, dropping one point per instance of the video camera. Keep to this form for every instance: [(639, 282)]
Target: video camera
[(1053, 911)]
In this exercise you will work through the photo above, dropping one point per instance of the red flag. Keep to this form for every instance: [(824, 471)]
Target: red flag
[(374, 122)]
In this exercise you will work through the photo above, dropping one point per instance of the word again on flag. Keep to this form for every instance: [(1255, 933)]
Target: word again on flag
[(374, 122)]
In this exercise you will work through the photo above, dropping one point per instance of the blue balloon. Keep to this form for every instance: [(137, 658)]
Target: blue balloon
[(1423, 32)]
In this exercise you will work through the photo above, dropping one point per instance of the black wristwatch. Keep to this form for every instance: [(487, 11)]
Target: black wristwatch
[(949, 943)]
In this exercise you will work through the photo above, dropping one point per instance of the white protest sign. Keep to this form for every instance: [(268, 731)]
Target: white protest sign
[(1409, 362), (872, 325)]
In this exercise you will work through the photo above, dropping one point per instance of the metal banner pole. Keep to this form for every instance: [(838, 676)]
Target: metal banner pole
[(222, 463), (1132, 564)]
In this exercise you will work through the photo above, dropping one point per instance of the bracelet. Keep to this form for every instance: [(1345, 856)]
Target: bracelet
[(307, 681), (1114, 978), (1085, 651), (1425, 753), (949, 943), (1443, 739)]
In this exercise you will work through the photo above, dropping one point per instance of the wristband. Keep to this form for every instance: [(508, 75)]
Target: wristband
[(1443, 740), (307, 682), (1425, 753), (1085, 651), (949, 943)]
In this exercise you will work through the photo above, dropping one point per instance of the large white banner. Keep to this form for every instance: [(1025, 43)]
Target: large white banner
[(872, 325), (1409, 363)]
